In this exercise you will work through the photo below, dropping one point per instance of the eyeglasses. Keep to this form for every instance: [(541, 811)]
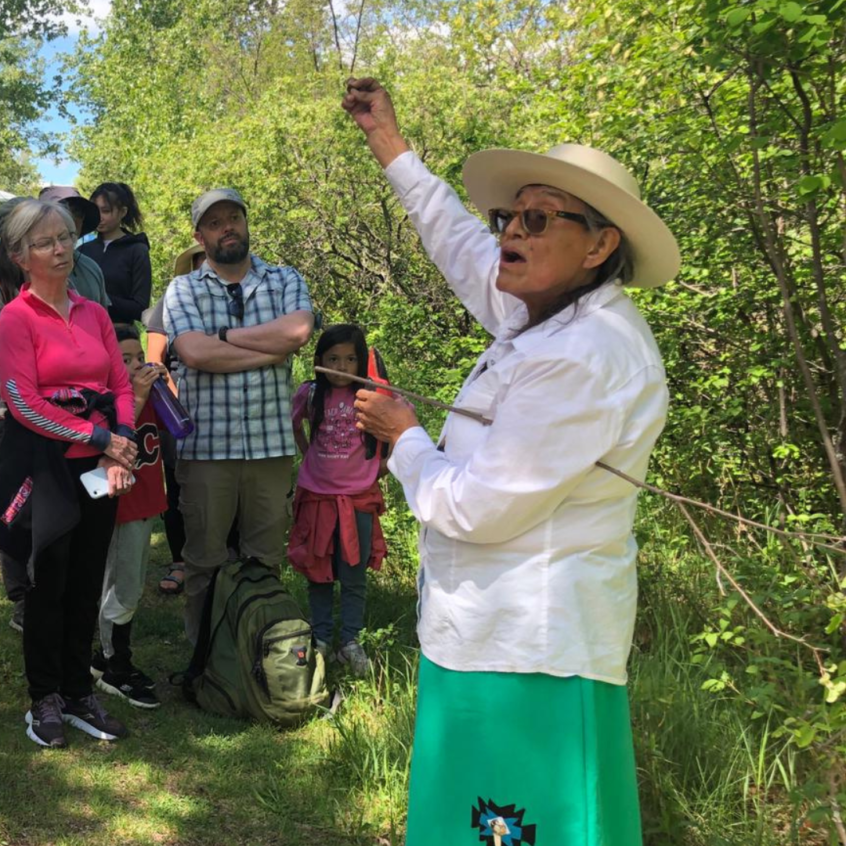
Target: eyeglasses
[(48, 245), (534, 221), (235, 306)]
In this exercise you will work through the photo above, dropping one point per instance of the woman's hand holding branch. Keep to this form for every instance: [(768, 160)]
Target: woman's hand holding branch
[(383, 417)]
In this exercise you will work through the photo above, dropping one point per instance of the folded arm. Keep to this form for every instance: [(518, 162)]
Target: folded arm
[(209, 353), (279, 337), (200, 351)]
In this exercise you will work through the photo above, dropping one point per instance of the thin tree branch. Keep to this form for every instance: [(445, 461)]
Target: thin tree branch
[(709, 551), (377, 386), (357, 35), (810, 537)]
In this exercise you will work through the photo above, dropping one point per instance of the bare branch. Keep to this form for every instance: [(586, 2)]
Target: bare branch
[(709, 551), (810, 537)]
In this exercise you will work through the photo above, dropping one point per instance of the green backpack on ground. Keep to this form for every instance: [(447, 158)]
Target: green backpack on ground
[(254, 656)]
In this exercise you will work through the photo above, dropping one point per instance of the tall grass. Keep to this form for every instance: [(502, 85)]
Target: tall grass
[(709, 774), (371, 745)]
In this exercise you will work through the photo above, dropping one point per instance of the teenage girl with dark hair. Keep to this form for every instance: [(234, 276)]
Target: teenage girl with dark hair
[(336, 533), (122, 252)]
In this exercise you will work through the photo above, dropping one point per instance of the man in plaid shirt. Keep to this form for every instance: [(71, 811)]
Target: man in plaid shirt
[(234, 324)]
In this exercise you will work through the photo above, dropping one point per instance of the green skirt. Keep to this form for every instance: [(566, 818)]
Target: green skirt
[(511, 759)]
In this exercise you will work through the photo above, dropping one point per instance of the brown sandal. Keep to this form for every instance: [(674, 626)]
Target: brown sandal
[(173, 584)]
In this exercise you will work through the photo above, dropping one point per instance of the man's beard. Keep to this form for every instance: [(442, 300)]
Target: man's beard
[(231, 254)]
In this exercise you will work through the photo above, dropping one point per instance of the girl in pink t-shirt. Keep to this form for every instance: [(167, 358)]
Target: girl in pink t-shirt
[(336, 533)]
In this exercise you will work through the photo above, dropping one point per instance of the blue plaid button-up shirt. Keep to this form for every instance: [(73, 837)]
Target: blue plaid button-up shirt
[(243, 415)]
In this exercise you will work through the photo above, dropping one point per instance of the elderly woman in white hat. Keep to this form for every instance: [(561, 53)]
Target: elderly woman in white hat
[(527, 579)]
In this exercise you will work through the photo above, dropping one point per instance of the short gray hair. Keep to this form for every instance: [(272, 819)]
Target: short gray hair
[(24, 217), (620, 264)]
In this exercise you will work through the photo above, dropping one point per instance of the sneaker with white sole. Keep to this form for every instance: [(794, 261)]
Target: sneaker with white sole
[(131, 687), (44, 722), (100, 664), (17, 620), (353, 655), (88, 715)]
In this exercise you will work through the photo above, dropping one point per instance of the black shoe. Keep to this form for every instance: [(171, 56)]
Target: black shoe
[(129, 686), (44, 722), (90, 716), (140, 679), (99, 664)]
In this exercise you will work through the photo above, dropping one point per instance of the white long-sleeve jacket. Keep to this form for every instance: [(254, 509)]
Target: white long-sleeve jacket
[(527, 559)]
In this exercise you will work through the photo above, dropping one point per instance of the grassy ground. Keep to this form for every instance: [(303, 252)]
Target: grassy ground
[(185, 777), (709, 775)]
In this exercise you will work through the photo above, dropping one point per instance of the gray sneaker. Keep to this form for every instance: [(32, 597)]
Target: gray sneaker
[(88, 715), (17, 621), (44, 722), (353, 655)]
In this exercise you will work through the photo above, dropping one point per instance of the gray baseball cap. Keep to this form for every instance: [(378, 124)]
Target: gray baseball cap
[(217, 195)]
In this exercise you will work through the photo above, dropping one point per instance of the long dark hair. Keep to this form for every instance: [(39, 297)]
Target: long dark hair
[(120, 194), (341, 333), (11, 279), (11, 276), (126, 332)]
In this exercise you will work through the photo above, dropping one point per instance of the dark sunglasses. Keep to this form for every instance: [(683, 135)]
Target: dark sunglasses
[(534, 221), (235, 306)]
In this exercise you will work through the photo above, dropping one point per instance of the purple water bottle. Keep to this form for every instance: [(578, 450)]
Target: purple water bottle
[(169, 409)]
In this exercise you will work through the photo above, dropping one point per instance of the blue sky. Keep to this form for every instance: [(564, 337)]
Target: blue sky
[(64, 171)]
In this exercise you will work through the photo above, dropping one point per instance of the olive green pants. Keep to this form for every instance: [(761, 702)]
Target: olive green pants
[(212, 494)]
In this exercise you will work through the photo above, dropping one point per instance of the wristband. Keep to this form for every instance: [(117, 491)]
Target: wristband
[(221, 333)]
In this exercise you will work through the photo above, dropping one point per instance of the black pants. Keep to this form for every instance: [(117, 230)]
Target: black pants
[(174, 524), (61, 608), (14, 577), (14, 572)]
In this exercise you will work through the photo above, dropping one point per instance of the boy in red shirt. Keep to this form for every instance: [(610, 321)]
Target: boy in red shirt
[(126, 566)]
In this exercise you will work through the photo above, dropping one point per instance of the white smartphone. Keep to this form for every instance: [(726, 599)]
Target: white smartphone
[(96, 482)]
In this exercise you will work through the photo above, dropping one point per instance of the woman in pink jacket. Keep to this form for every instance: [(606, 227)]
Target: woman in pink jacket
[(70, 410)]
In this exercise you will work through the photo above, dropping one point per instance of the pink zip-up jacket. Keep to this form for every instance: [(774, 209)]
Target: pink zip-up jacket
[(40, 353)]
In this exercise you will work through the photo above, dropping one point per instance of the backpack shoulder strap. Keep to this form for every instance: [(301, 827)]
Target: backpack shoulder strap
[(201, 650)]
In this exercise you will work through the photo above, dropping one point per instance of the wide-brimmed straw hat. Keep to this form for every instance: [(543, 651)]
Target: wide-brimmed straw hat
[(72, 199), (493, 178), (184, 262)]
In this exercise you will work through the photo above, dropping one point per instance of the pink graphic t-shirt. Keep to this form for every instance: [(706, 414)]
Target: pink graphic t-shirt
[(335, 462)]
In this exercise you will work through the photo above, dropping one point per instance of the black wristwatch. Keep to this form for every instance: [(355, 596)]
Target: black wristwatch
[(221, 333)]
